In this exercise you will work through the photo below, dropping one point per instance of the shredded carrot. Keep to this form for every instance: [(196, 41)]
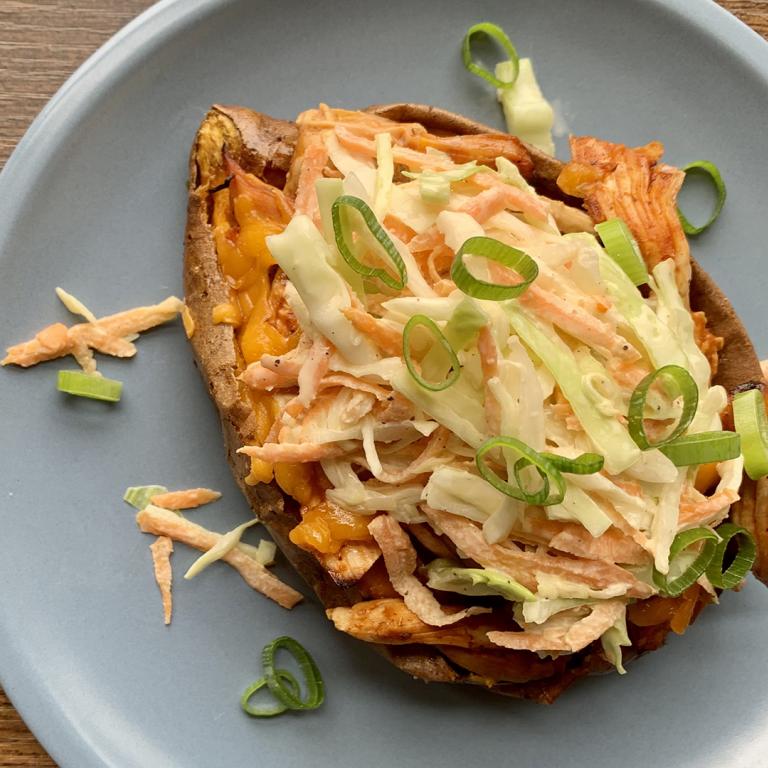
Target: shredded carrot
[(194, 497), (161, 550), (106, 335), (386, 338), (163, 522)]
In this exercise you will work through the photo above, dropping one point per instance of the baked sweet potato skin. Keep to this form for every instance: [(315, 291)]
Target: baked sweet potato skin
[(264, 146)]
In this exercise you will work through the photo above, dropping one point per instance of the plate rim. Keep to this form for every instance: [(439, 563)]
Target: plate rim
[(64, 742)]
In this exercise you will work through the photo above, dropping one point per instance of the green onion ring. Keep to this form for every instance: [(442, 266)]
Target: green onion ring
[(546, 469), (277, 708), (275, 681), (681, 542), (703, 448), (711, 171), (621, 246), (745, 557), (498, 34), (586, 464), (431, 326), (340, 231), (90, 386), (686, 387), (750, 421), (500, 253), (537, 497)]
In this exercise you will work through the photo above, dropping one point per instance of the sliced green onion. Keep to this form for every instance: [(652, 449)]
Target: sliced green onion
[(455, 368), (586, 464), (751, 423), (711, 171), (435, 187), (465, 323), (87, 385), (501, 253), (275, 709), (286, 694), (458, 173), (685, 539), (547, 471), (702, 448), (622, 247), (342, 233), (685, 386), (139, 496), (498, 34), (745, 557), (462, 327)]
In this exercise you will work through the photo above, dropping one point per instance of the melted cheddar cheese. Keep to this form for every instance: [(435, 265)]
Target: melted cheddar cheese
[(244, 215), (325, 528), (241, 223)]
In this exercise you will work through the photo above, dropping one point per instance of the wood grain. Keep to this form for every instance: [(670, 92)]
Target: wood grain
[(41, 43)]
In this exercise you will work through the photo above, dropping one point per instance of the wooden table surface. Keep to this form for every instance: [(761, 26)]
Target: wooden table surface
[(41, 43)]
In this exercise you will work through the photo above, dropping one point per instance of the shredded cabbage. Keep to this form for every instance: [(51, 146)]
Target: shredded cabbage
[(385, 369), (611, 439), (658, 340), (632, 508), (448, 576), (707, 418), (462, 493), (435, 186), (457, 228), (458, 408), (500, 523), (402, 502), (227, 542), (544, 608), (416, 282), (327, 190), (385, 169), (411, 208), (522, 415), (555, 587), (304, 256), (677, 318), (464, 323), (359, 175), (510, 173), (439, 309), (653, 467), (581, 507), (664, 525), (613, 640)]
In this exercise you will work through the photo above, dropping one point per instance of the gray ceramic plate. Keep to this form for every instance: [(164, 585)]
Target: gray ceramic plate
[(93, 199)]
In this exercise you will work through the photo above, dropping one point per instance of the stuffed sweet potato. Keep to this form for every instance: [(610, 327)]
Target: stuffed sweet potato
[(454, 583)]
